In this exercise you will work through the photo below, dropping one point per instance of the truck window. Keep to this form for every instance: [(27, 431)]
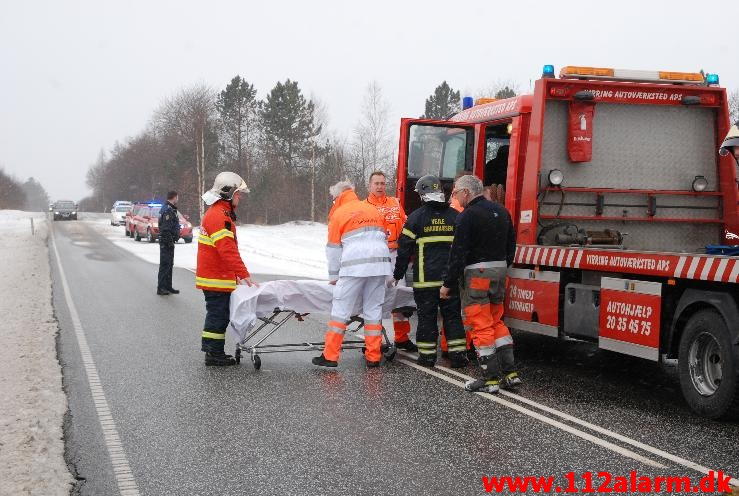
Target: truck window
[(497, 145), (443, 151)]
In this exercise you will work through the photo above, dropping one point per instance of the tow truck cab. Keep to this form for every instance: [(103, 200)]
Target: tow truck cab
[(625, 213)]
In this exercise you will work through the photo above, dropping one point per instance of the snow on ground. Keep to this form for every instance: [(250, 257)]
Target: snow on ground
[(32, 404), (294, 249)]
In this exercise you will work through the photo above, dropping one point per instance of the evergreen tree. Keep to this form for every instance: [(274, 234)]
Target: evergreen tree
[(505, 92), (37, 199), (444, 102), (289, 127), (237, 106)]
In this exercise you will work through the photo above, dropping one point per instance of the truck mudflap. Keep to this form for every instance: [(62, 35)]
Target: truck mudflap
[(630, 317), (532, 301)]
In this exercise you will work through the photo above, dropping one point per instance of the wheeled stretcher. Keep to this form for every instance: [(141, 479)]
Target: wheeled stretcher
[(259, 312)]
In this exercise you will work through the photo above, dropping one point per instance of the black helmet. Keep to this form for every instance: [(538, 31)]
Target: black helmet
[(429, 187), (732, 139)]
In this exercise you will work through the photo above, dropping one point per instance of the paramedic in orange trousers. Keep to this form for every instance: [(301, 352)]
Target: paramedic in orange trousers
[(394, 215), (358, 267), (483, 248)]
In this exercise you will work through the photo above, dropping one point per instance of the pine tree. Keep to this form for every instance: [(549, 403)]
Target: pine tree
[(505, 92), (237, 106), (443, 103), (37, 199)]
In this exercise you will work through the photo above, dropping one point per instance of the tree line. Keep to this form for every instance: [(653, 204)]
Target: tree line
[(19, 195), (280, 144)]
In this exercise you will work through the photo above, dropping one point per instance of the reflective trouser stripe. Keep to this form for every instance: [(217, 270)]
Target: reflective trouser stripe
[(213, 335), (374, 329), (336, 327), (360, 261), (368, 332), (485, 350), (454, 345), (488, 265), (334, 318), (503, 341), (373, 322), (426, 347)]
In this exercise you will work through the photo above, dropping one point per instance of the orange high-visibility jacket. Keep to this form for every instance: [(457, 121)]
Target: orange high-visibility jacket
[(394, 215), (219, 261), (357, 245)]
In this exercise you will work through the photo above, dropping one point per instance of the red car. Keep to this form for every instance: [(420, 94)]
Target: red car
[(145, 224), (133, 212)]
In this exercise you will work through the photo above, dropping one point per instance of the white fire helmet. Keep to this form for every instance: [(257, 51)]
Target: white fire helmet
[(731, 140), (224, 187)]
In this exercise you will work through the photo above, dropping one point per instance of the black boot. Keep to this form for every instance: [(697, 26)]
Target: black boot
[(174, 291), (322, 362), (406, 345), (162, 292), (426, 360), (458, 359), (219, 359), (371, 364)]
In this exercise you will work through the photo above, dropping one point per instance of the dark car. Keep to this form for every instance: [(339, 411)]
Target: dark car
[(64, 210)]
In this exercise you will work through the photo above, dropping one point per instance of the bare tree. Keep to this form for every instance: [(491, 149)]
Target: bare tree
[(188, 115), (373, 146), (500, 88), (734, 106)]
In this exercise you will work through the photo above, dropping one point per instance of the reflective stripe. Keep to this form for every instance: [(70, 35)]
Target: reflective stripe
[(333, 245), (435, 239), (331, 273), (488, 265), (215, 283), (424, 351), (361, 230), (223, 233), (336, 319), (431, 284), (205, 240), (214, 335), (372, 322), (455, 342), (503, 341), (360, 261), (455, 349), (485, 350), (372, 333), (426, 344), (409, 233)]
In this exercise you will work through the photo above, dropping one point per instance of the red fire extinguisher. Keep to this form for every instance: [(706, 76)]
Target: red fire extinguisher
[(580, 131)]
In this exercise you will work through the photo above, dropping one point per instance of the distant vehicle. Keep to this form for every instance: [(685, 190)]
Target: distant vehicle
[(130, 216), (118, 214), (146, 224), (64, 210)]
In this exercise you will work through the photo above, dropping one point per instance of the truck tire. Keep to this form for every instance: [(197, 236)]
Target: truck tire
[(708, 368)]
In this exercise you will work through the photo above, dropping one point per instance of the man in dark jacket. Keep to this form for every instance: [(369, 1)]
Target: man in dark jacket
[(427, 236), (169, 233), (484, 246)]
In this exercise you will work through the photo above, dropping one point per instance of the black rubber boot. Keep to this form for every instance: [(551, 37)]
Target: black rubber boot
[(458, 360), (426, 360), (174, 291), (322, 362), (490, 386), (371, 364), (162, 292), (511, 381), (219, 360)]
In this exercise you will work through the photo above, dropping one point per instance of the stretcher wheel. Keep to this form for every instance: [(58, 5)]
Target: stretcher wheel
[(237, 355), (257, 362)]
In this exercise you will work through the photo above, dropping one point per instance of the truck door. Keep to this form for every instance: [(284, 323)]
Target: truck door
[(442, 148)]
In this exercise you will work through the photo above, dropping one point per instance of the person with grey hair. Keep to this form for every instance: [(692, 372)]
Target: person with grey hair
[(483, 249), (358, 265)]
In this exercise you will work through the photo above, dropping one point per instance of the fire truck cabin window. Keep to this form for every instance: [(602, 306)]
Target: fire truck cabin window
[(438, 150), (497, 141)]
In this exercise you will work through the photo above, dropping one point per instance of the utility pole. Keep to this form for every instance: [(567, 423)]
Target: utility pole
[(313, 185)]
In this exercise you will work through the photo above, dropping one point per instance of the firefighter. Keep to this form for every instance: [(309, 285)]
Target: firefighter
[(395, 217), (220, 267), (427, 236), (359, 266), (731, 143), (169, 233), (483, 248)]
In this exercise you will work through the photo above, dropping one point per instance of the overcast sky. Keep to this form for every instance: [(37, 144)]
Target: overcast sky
[(76, 77)]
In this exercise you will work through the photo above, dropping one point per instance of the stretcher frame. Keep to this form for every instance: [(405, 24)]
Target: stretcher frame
[(271, 324)]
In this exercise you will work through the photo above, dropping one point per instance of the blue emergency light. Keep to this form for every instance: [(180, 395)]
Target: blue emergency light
[(467, 102), (712, 79), (548, 71)]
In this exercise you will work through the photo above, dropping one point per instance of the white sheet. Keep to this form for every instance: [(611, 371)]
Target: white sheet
[(308, 296)]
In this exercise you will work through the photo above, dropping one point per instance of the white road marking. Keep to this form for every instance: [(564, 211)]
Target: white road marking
[(554, 423), (124, 477), (637, 444)]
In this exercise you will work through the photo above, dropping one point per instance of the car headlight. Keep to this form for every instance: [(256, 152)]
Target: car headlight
[(74, 213), (56, 213)]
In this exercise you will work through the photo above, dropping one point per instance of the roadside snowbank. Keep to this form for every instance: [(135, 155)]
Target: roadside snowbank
[(294, 249), (32, 404)]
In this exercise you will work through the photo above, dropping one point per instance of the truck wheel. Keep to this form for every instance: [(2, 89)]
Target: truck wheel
[(708, 366)]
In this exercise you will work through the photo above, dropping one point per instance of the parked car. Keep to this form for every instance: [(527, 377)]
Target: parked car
[(146, 225), (130, 215), (64, 210), (118, 214)]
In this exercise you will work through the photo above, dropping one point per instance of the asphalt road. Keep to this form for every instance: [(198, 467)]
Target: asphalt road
[(292, 428)]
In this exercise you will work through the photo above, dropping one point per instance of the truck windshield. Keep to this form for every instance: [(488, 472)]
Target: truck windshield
[(438, 150)]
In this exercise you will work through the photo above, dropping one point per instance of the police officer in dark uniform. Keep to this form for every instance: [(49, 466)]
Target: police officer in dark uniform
[(427, 236), (169, 233)]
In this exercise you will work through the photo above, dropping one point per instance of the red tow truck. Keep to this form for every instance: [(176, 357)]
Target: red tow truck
[(627, 217)]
